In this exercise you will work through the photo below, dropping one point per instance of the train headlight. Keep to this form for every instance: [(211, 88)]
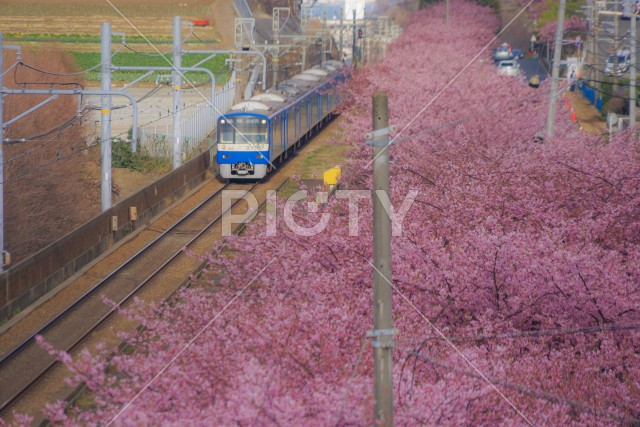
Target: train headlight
[(225, 156), (223, 121), (264, 121)]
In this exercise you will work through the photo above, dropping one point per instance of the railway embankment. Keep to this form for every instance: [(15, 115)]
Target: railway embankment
[(26, 282)]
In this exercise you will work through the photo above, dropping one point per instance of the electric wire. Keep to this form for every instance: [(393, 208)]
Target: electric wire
[(422, 131), (148, 54), (75, 151), (23, 84), (602, 328), (418, 133), (526, 391), (42, 145), (68, 74), (43, 134)]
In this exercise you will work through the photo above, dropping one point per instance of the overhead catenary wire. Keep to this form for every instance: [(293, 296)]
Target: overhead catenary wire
[(15, 80), (43, 134), (68, 74), (75, 150), (168, 52), (42, 145), (418, 133)]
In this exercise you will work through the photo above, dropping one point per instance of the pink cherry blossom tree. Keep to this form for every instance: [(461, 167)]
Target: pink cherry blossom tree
[(515, 278)]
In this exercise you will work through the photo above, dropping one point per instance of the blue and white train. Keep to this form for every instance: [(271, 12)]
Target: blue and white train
[(261, 132)]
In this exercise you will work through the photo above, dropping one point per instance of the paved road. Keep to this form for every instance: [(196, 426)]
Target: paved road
[(531, 67)]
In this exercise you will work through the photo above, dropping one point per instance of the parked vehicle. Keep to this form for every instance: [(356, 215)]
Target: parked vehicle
[(624, 62), (509, 67), (503, 52)]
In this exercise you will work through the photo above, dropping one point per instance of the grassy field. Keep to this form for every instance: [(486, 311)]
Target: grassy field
[(82, 19), (131, 9), (74, 26), (90, 60), (93, 38)]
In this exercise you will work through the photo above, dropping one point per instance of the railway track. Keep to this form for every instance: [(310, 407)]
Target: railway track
[(27, 364)]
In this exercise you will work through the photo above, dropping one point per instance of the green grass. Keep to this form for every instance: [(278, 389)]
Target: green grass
[(102, 10), (312, 165), (124, 157), (88, 60), (92, 38)]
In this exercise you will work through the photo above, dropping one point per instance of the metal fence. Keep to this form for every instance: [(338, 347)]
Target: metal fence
[(157, 140)]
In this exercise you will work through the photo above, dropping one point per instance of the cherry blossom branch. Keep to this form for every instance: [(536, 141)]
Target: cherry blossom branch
[(523, 390), (453, 346)]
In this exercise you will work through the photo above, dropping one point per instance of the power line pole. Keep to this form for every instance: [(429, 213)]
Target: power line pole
[(447, 12), (323, 57), (105, 116), (382, 333), (354, 57), (557, 53), (616, 47), (596, 37), (177, 91), (341, 41), (632, 83), (1, 157), (590, 47)]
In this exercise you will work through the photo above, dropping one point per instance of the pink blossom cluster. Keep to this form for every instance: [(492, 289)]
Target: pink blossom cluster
[(517, 250), (573, 25)]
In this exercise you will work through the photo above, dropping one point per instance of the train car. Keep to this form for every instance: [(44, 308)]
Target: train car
[(261, 132)]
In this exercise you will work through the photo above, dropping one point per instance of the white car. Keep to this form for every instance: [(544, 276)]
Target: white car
[(624, 62), (509, 68)]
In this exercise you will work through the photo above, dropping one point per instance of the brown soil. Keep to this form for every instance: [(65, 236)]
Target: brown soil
[(50, 181), (587, 116), (52, 185), (224, 15)]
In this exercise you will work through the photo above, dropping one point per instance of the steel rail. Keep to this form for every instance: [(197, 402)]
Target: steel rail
[(29, 341)]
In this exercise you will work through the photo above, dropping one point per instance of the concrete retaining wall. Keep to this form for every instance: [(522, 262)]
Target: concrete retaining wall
[(25, 282)]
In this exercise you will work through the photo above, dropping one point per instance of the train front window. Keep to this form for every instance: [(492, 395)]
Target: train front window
[(242, 130)]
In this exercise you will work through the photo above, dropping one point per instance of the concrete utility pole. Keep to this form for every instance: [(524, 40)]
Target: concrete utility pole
[(177, 91), (341, 41), (354, 57), (2, 260), (323, 56), (446, 20), (591, 58), (596, 40), (382, 292), (105, 115), (616, 47), (557, 53), (632, 82)]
